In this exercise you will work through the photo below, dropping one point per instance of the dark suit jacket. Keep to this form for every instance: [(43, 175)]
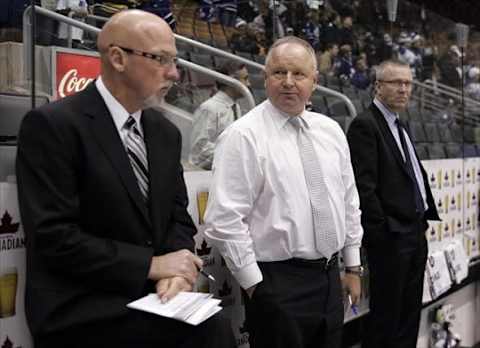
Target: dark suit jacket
[(90, 236), (386, 190)]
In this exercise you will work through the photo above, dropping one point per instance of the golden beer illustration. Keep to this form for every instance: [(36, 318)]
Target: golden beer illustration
[(8, 291), (202, 199)]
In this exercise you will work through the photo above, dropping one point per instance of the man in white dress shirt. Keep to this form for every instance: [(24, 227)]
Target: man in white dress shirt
[(264, 206), (215, 114)]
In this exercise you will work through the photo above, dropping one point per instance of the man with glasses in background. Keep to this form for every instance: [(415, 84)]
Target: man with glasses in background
[(396, 203), (283, 204), (104, 204)]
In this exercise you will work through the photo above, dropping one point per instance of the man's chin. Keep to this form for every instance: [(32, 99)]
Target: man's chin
[(153, 102)]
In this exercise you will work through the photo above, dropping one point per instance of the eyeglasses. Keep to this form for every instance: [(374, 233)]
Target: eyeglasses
[(163, 59), (398, 83), (282, 75)]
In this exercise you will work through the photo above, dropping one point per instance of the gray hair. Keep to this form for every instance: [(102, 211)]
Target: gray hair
[(381, 69), (292, 40)]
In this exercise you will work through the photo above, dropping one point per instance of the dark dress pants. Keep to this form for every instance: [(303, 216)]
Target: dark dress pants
[(295, 306), (143, 330), (397, 267)]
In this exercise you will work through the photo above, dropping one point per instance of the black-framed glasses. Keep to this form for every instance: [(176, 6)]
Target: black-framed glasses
[(163, 59), (398, 83)]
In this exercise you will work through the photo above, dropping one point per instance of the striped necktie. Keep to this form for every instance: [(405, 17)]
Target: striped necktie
[(323, 223), (137, 153)]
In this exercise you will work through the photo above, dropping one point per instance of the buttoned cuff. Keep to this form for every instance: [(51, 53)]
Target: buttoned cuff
[(248, 276), (351, 257)]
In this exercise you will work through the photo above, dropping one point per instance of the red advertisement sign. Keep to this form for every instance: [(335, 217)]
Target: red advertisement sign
[(74, 71)]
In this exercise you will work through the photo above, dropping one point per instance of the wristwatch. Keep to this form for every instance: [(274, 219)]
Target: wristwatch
[(358, 270)]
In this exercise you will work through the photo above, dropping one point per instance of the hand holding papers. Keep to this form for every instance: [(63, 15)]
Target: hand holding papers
[(189, 307)]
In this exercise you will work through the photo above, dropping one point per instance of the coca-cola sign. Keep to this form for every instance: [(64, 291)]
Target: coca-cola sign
[(74, 71)]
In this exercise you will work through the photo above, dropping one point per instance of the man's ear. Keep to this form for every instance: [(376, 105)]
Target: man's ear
[(117, 58)]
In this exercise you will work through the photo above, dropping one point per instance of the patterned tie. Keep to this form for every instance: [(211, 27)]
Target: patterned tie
[(235, 112), (325, 233), (137, 154)]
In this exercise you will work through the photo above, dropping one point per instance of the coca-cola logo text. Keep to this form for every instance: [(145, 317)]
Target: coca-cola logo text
[(71, 83)]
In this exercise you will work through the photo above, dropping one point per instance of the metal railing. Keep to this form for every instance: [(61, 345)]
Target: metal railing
[(439, 98), (249, 63), (27, 46)]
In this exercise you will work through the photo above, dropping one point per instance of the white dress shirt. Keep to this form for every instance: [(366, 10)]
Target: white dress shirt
[(117, 111), (259, 207), (391, 117), (209, 120)]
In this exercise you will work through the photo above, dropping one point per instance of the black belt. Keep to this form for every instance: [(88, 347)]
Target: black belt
[(320, 263)]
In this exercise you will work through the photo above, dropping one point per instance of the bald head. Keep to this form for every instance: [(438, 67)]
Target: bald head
[(133, 28), (137, 51)]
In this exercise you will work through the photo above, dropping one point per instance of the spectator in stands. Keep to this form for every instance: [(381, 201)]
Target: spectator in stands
[(310, 30), (345, 69), (269, 216), (78, 9), (162, 8), (448, 64), (104, 203), (396, 201), (384, 48), (243, 40), (473, 87), (361, 77), (215, 114), (326, 61), (405, 54), (346, 33), (226, 11)]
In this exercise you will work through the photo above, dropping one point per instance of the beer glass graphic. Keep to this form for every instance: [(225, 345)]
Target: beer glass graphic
[(8, 291), (202, 198)]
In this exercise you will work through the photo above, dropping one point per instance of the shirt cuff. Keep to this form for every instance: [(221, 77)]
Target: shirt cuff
[(249, 276), (351, 257)]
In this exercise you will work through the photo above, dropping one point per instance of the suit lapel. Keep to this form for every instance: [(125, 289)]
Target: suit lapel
[(388, 136), (109, 140), (161, 164)]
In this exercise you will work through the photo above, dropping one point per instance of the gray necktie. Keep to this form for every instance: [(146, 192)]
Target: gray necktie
[(325, 233), (137, 154)]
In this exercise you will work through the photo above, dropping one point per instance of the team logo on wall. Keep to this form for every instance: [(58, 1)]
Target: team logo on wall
[(204, 249), (8, 229), (459, 178), (453, 203), (468, 178), (440, 206), (432, 235), (459, 229), (433, 182), (9, 344), (225, 293), (446, 231), (446, 179)]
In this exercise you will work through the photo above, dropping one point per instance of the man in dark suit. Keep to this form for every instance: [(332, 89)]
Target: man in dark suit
[(103, 203), (396, 203)]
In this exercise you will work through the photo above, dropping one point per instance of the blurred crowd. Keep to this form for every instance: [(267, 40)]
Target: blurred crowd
[(349, 36)]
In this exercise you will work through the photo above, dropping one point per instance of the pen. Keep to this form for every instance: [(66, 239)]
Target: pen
[(353, 306), (207, 275)]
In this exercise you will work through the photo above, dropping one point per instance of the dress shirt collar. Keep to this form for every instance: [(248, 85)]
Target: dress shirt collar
[(118, 112), (281, 119), (390, 117), (223, 97)]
